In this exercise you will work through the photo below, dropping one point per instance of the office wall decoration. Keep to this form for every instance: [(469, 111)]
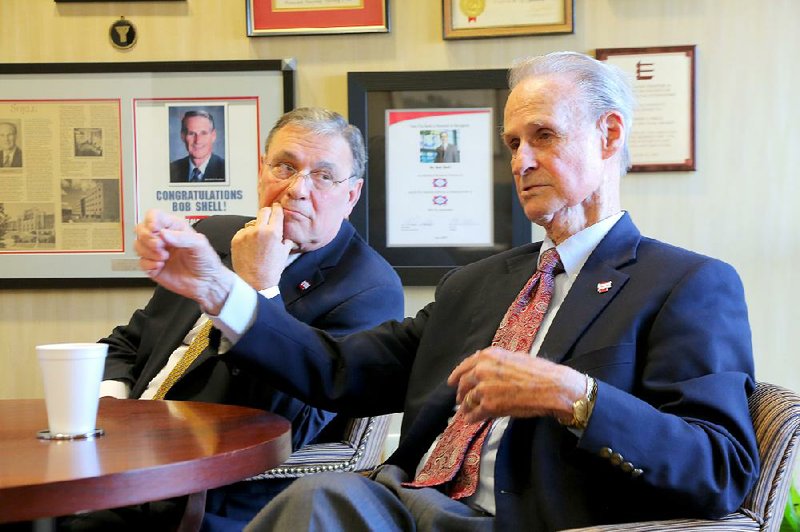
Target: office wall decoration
[(295, 17), (663, 136), (470, 19), (439, 191), (96, 145)]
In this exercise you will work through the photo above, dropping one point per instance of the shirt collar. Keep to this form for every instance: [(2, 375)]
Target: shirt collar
[(575, 250)]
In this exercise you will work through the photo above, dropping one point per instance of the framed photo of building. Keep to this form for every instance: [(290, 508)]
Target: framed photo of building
[(439, 191), (86, 149)]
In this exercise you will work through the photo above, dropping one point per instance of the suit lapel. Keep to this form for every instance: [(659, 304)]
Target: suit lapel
[(587, 298), (497, 294), (308, 272)]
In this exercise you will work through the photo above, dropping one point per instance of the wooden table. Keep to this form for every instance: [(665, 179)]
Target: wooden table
[(151, 450)]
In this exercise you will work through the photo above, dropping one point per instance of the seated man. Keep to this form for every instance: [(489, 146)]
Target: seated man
[(313, 169), (599, 376)]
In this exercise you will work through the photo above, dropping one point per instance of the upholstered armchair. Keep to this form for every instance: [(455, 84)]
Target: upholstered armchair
[(360, 448), (776, 418)]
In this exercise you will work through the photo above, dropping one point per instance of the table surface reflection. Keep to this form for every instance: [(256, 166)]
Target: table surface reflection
[(151, 450)]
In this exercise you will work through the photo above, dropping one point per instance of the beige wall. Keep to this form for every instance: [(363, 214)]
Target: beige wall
[(737, 206)]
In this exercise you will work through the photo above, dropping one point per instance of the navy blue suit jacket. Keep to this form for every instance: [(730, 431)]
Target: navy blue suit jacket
[(669, 345), (215, 170)]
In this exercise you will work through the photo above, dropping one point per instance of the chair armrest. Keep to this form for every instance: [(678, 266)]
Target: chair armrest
[(360, 449)]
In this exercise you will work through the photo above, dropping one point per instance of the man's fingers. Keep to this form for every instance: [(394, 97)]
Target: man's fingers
[(466, 365), (263, 216), (181, 239)]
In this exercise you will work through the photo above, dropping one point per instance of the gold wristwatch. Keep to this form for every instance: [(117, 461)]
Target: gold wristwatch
[(582, 408)]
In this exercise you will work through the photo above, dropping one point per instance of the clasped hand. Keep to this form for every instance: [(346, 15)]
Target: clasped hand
[(495, 382)]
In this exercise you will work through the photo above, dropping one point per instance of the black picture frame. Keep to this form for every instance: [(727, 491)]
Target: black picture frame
[(273, 82), (370, 94)]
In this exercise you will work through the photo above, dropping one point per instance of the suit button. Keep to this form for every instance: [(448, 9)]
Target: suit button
[(616, 459), (636, 472), (626, 467), (235, 372), (605, 452)]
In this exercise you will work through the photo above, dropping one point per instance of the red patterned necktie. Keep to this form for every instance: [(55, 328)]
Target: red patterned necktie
[(456, 456)]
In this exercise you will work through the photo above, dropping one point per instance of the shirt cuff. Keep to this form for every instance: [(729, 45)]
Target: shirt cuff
[(117, 389), (239, 311)]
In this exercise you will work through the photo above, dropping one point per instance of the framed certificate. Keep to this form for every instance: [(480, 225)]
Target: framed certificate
[(439, 192), (663, 137), (295, 17), (92, 146), (470, 19)]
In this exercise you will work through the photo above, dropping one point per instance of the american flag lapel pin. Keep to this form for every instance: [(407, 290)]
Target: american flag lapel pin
[(305, 285), (603, 287)]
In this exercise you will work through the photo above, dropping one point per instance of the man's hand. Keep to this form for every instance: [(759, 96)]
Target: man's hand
[(259, 251), (181, 260), (495, 382)]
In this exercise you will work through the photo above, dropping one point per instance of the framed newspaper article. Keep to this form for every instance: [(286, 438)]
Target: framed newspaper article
[(86, 149), (439, 191)]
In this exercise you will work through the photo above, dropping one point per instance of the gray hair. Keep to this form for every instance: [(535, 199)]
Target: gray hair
[(323, 122), (604, 87), (193, 113)]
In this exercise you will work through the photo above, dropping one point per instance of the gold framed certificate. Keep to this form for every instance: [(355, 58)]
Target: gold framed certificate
[(471, 19)]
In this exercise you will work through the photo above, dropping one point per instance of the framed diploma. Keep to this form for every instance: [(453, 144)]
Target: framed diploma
[(663, 137), (439, 191), (470, 19), (295, 17), (90, 147)]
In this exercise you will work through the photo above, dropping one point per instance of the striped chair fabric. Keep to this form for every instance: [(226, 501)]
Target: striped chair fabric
[(361, 448), (776, 419)]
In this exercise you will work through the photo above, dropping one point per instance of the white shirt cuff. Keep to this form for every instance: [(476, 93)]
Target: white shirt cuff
[(239, 311), (117, 389)]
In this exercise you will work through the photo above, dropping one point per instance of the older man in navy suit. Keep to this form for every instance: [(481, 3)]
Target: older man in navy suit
[(596, 377), (198, 134), (311, 171)]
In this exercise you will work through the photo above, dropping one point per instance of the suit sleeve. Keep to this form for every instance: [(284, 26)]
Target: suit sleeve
[(124, 344), (687, 429)]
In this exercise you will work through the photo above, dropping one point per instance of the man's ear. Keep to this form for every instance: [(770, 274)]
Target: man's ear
[(352, 196), (612, 129)]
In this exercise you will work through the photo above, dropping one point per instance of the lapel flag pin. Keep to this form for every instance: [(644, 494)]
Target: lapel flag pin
[(305, 285), (602, 288)]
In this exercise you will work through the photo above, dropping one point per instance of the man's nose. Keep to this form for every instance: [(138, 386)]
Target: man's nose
[(525, 160), (299, 185)]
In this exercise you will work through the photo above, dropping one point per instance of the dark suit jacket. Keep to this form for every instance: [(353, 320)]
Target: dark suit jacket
[(669, 345), (215, 170), (16, 160), (351, 288), (447, 155)]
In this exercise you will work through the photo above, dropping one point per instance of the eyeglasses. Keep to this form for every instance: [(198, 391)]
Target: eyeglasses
[(320, 179)]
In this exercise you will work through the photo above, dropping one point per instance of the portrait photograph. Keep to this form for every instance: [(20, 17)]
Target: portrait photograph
[(197, 144), (10, 143)]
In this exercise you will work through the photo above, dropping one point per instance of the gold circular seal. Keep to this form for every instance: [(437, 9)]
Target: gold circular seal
[(122, 34), (472, 8)]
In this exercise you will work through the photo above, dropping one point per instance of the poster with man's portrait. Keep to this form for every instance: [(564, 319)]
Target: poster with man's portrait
[(197, 144)]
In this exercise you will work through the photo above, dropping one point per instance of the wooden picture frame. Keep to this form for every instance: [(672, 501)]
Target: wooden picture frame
[(492, 18), (663, 135), (373, 98), (86, 144), (281, 17)]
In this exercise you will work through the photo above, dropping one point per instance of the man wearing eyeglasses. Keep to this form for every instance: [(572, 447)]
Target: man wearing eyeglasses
[(312, 168)]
